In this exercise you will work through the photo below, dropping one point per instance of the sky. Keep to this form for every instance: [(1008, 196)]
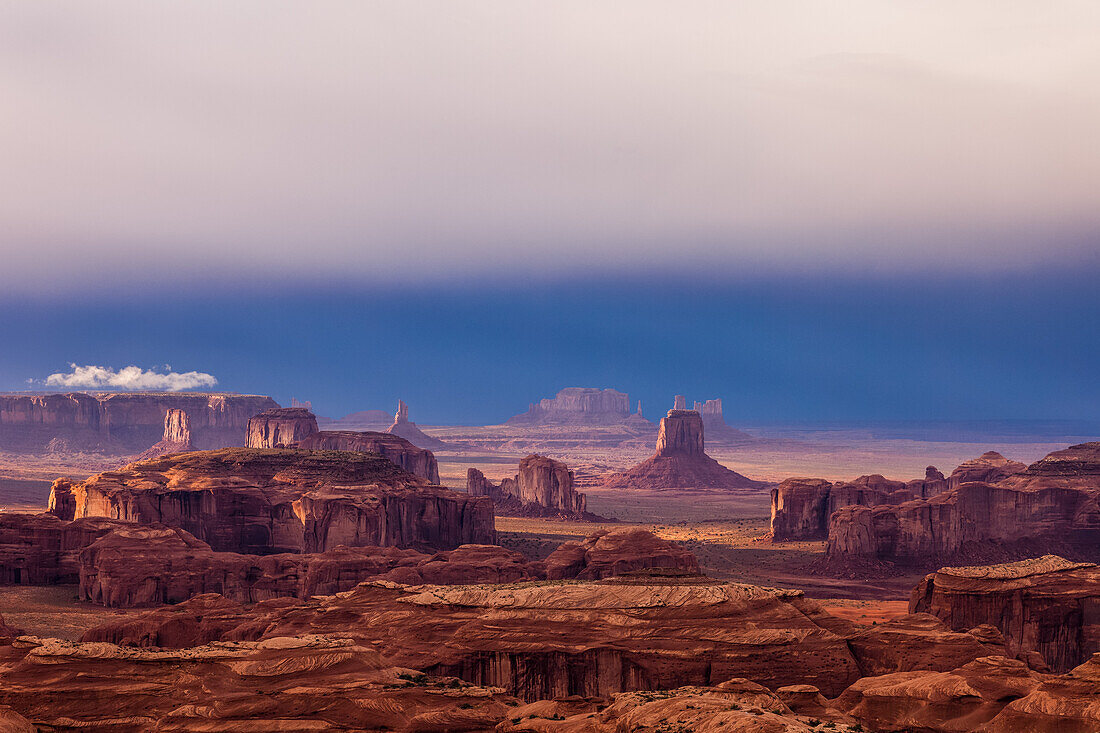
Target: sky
[(812, 209)]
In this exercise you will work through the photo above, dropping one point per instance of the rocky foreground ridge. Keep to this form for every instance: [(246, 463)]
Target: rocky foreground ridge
[(582, 656)]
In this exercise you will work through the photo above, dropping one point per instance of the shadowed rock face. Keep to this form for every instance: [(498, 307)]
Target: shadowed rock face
[(543, 487), (1047, 605), (410, 432), (41, 549), (578, 406), (1052, 506), (281, 427), (989, 467), (680, 461), (417, 461), (619, 551), (802, 507), (150, 565), (123, 423), (270, 501)]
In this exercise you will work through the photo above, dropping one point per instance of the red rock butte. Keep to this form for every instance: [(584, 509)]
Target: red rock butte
[(681, 461)]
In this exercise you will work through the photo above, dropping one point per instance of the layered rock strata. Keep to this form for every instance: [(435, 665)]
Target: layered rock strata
[(1047, 605), (270, 501), (680, 461), (122, 423)]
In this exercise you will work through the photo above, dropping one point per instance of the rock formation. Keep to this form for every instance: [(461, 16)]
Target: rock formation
[(680, 461), (417, 461), (577, 406), (271, 501), (280, 427), (989, 467), (542, 488), (123, 423), (620, 551), (41, 549), (151, 565), (177, 436), (802, 507), (715, 423), (1053, 506), (410, 432), (1047, 605)]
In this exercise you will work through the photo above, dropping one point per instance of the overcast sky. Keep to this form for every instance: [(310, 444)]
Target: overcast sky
[(411, 141)]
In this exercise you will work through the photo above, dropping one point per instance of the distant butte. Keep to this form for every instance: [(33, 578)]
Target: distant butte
[(680, 461), (581, 406), (410, 432)]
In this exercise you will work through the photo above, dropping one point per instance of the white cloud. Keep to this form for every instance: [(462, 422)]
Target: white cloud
[(129, 378)]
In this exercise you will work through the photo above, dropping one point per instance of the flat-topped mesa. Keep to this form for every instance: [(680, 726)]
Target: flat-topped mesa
[(543, 487), (417, 461), (1044, 605), (715, 423), (409, 431), (1053, 506), (578, 406), (177, 436), (280, 427), (680, 461), (265, 501), (122, 423)]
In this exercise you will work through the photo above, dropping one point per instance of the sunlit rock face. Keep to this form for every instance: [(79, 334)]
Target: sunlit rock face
[(281, 427)]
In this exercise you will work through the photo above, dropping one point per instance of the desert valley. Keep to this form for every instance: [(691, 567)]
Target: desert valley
[(218, 562)]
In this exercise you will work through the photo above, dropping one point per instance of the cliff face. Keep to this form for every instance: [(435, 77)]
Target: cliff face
[(281, 427), (802, 507), (1047, 605), (177, 436), (417, 461), (543, 487), (990, 467), (1052, 506), (150, 565), (40, 549), (269, 501), (578, 406), (122, 423), (680, 461)]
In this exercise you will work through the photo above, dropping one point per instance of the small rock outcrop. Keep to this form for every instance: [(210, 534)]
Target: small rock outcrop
[(410, 432), (1047, 605), (281, 427), (680, 461), (177, 436), (270, 501), (620, 551), (990, 467), (542, 487)]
